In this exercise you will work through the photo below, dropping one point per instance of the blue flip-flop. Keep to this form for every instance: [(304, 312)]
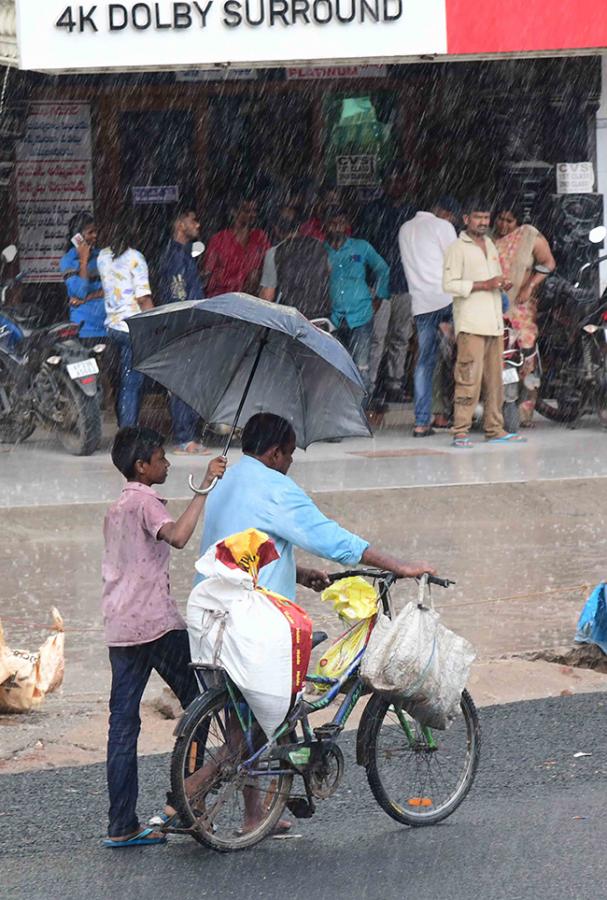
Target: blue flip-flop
[(508, 439), (142, 839)]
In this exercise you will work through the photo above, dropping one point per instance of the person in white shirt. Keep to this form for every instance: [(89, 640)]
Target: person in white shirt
[(126, 289), (423, 242)]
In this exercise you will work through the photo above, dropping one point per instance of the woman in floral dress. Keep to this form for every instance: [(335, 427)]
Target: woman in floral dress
[(521, 247)]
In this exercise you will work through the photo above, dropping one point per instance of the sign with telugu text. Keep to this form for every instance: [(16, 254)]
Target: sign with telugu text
[(53, 181), (155, 193)]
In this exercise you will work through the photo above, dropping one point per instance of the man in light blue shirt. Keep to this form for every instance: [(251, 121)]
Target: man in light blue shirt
[(257, 493), (351, 299)]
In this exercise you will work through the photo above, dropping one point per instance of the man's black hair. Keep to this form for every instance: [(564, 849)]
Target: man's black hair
[(266, 430), (335, 212), (77, 224), (181, 212), (133, 443), (448, 204), (476, 204)]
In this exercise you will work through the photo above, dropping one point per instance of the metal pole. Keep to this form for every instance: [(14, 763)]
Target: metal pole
[(263, 341)]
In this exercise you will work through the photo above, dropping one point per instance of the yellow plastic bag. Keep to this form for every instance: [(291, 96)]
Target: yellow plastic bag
[(26, 678), (356, 601), (340, 654), (353, 599)]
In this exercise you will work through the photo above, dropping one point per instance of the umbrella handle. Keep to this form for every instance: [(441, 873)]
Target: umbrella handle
[(201, 491)]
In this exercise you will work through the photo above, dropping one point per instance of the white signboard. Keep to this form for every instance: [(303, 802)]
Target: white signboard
[(53, 181), (360, 170), (575, 178), (56, 36)]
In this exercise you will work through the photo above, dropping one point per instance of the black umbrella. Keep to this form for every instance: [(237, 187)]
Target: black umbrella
[(235, 355)]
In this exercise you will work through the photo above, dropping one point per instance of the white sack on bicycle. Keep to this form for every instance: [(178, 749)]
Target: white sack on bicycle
[(262, 640), (419, 661)]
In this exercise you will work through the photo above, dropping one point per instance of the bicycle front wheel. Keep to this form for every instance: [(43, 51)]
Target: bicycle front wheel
[(418, 776), (227, 809)]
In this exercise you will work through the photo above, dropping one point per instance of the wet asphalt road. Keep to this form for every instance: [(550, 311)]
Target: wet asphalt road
[(533, 828)]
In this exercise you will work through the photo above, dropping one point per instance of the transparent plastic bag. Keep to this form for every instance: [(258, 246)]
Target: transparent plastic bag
[(420, 662)]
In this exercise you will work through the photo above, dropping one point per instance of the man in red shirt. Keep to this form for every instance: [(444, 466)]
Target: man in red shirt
[(234, 257)]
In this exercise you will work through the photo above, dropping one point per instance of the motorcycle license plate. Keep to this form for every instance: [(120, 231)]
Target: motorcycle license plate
[(81, 369), (509, 375)]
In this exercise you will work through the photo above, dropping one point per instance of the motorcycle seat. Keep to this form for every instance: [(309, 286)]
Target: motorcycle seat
[(26, 315)]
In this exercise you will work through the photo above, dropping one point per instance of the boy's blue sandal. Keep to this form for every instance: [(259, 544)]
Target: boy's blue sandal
[(141, 839), (508, 439)]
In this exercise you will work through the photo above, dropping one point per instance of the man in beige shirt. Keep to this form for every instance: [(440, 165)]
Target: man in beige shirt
[(473, 275)]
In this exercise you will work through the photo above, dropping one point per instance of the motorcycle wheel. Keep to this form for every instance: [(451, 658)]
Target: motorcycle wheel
[(557, 412), (511, 417), (80, 431), (13, 431)]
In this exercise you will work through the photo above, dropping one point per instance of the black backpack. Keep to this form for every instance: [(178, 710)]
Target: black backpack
[(302, 268)]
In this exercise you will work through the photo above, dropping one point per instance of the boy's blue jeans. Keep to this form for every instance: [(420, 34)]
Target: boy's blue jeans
[(427, 325), (131, 382), (132, 666)]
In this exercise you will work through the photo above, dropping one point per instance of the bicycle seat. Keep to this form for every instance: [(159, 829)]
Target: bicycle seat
[(318, 637)]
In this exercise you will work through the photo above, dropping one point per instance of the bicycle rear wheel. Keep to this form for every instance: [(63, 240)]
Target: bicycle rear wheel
[(420, 777), (229, 810)]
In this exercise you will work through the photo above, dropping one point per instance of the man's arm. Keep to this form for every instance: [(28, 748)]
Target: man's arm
[(301, 523), (453, 271), (381, 271), (269, 276), (141, 283), (178, 533)]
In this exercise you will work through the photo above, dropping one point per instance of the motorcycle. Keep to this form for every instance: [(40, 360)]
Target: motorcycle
[(47, 377), (573, 346)]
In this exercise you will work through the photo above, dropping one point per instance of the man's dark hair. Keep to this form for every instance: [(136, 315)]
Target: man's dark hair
[(182, 212), (335, 212), (448, 204), (133, 443), (476, 204), (266, 430), (122, 235), (77, 224)]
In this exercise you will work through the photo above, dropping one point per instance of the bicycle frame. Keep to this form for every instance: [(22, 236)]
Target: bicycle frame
[(303, 709)]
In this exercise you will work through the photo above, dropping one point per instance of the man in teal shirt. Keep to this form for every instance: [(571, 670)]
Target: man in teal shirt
[(351, 260), (257, 493)]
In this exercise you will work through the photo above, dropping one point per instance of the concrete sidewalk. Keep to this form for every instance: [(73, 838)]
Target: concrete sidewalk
[(40, 473)]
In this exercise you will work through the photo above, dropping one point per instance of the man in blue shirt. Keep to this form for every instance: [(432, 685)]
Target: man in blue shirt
[(351, 299), (78, 267), (179, 280), (257, 493)]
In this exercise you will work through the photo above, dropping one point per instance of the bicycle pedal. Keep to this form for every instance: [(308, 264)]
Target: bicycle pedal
[(301, 808), (327, 732)]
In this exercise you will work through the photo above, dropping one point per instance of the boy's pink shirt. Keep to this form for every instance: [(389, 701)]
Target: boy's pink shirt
[(137, 603)]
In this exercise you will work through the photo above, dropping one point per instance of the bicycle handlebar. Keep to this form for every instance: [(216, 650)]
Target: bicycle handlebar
[(389, 577)]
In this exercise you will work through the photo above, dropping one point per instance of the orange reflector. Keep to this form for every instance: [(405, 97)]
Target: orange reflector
[(419, 801)]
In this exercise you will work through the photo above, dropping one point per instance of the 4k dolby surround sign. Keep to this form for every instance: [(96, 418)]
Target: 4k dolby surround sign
[(66, 37)]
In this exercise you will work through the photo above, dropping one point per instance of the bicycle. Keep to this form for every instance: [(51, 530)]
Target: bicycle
[(230, 785)]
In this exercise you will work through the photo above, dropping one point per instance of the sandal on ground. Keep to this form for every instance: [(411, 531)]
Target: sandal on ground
[(425, 432), (508, 439), (462, 442), (147, 837), (191, 448)]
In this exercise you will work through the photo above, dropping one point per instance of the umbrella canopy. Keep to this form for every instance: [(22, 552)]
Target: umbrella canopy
[(204, 351)]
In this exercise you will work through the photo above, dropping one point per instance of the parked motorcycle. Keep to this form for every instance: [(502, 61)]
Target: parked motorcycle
[(47, 377), (573, 346)]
